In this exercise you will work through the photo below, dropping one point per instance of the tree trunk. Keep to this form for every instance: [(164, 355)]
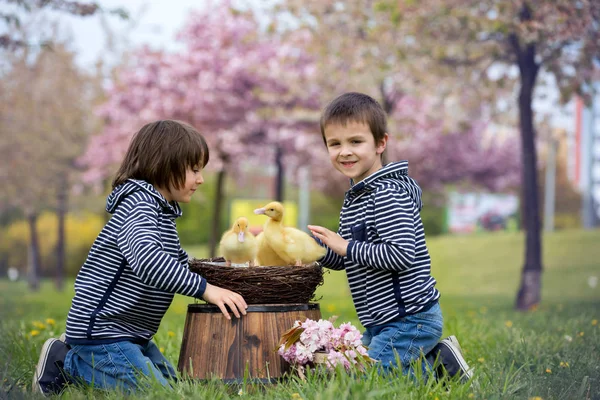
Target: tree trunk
[(389, 99), (61, 211), (279, 190), (34, 253), (529, 292), (217, 210)]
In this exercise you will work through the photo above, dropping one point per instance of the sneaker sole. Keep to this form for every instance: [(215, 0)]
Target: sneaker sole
[(41, 365), (463, 363)]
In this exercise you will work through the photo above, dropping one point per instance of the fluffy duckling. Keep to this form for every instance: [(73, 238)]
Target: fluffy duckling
[(265, 255), (238, 245), (292, 245)]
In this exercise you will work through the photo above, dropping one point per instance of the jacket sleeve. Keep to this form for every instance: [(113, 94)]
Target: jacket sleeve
[(184, 259), (140, 243), (394, 223)]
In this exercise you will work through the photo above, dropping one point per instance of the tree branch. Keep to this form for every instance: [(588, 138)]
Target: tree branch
[(552, 53), (513, 42)]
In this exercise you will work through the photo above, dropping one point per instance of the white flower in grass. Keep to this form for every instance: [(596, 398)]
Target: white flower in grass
[(568, 338), (593, 281)]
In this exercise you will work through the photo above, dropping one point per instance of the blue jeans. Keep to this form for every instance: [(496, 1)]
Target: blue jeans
[(117, 365), (405, 339)]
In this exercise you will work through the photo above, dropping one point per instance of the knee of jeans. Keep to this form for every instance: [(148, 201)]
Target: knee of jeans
[(425, 338), (431, 333), (388, 343)]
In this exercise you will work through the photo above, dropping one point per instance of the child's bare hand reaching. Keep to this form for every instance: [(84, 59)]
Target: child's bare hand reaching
[(219, 297), (331, 239)]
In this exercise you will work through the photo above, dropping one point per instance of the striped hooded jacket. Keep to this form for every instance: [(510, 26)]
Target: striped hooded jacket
[(132, 271), (387, 261)]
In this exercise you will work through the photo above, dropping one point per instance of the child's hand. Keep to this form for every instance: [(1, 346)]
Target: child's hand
[(219, 297), (331, 239)]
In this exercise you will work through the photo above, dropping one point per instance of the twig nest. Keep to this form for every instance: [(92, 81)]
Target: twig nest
[(262, 285)]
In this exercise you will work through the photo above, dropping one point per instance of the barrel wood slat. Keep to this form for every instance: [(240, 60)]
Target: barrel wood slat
[(213, 346)]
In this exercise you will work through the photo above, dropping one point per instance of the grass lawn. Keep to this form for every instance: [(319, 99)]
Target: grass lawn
[(550, 353)]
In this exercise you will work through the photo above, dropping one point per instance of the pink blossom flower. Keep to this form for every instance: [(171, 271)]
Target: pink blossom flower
[(342, 345)]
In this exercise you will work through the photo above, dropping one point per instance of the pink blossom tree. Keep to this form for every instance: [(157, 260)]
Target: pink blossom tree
[(472, 38), (467, 153), (240, 88)]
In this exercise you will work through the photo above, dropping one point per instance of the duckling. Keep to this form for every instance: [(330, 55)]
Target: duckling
[(292, 245), (238, 245), (265, 255)]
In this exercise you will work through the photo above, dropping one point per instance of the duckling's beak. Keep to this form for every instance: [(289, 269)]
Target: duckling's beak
[(241, 237), (260, 211)]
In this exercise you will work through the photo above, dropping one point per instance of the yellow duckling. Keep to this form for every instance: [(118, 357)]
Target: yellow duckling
[(294, 246), (265, 255), (238, 245)]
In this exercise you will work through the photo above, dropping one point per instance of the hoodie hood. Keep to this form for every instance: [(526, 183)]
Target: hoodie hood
[(396, 172), (133, 185)]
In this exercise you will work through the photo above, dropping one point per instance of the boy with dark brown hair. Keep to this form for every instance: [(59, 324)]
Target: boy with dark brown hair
[(380, 242)]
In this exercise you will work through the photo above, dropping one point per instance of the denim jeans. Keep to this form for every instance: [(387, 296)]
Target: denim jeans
[(405, 339), (117, 365)]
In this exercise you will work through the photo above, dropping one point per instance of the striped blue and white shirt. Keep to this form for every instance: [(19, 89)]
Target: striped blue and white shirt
[(387, 261), (132, 271)]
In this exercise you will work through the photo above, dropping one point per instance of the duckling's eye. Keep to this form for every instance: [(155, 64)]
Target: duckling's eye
[(271, 209)]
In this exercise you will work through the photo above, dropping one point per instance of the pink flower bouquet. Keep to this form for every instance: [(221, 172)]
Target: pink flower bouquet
[(319, 342)]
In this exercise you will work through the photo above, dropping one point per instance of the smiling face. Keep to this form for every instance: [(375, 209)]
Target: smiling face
[(352, 149), (193, 179)]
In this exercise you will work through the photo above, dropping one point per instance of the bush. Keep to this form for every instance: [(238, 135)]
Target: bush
[(434, 220), (434, 213), (567, 221), (325, 211), (80, 232)]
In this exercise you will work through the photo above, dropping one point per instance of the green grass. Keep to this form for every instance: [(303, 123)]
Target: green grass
[(552, 352)]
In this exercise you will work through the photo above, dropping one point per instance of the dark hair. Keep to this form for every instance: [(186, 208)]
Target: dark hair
[(355, 107), (161, 152)]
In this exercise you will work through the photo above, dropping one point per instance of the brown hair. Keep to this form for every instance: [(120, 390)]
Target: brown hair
[(355, 107), (160, 153)]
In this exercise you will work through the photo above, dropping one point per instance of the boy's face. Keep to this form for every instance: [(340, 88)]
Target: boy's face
[(352, 149), (193, 179)]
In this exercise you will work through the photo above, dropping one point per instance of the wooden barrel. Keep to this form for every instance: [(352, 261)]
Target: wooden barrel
[(214, 346)]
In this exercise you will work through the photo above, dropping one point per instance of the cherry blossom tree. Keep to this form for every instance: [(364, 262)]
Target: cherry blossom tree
[(231, 82), (560, 38), (468, 50)]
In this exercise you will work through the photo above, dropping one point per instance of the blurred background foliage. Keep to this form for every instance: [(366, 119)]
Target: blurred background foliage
[(81, 229)]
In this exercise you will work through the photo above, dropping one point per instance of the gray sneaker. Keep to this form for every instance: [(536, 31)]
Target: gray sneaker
[(450, 360), (49, 377)]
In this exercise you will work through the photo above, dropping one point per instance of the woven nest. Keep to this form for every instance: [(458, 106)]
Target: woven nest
[(262, 285)]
